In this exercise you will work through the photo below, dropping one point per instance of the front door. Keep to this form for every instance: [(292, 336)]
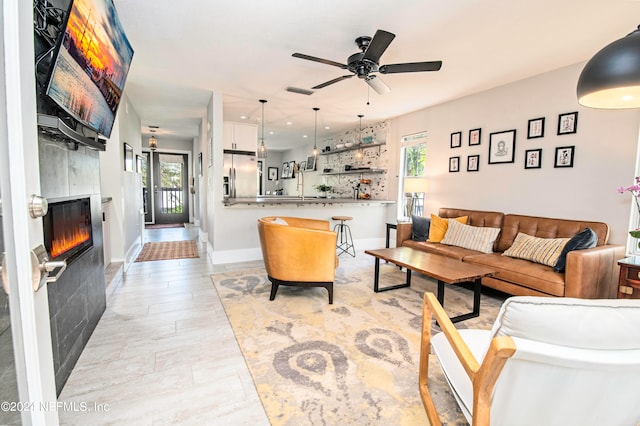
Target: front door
[(27, 386), (170, 188)]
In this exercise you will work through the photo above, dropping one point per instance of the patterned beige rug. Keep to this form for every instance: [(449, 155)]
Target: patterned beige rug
[(168, 250), (354, 362)]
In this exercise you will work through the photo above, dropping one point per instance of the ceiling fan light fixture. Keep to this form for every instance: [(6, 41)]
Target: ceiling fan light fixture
[(377, 84), (611, 78), (262, 149)]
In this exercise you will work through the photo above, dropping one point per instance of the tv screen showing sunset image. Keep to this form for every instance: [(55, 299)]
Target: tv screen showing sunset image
[(92, 64)]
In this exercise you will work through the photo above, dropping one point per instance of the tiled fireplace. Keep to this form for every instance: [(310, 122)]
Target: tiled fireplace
[(70, 180)]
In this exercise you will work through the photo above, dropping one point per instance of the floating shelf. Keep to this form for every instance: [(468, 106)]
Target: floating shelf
[(353, 172), (353, 148)]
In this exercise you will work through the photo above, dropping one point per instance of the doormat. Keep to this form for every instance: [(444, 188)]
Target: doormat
[(168, 250), (163, 225)]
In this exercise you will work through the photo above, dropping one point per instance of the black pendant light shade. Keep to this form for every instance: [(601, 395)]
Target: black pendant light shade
[(611, 79)]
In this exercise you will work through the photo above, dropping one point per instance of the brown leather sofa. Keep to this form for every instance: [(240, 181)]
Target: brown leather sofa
[(298, 252), (590, 273)]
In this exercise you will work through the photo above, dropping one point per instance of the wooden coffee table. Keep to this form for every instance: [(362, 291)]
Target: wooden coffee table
[(444, 269)]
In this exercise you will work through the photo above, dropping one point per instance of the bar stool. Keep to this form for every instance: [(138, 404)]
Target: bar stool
[(345, 240)]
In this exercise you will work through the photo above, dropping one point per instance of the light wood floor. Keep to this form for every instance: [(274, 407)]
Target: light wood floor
[(163, 352)]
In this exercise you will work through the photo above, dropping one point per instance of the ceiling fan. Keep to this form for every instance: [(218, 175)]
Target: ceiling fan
[(365, 63)]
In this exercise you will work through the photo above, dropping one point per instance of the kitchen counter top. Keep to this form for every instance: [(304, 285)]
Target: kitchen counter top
[(295, 200)]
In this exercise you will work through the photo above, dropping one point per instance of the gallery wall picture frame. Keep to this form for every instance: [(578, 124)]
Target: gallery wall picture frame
[(128, 158), (454, 164), (210, 151), (200, 164), (568, 123), (272, 173), (311, 163), (474, 136), (456, 140), (292, 172), (302, 165), (473, 163), (533, 159), (138, 163), (535, 128), (564, 156), (286, 172), (502, 147)]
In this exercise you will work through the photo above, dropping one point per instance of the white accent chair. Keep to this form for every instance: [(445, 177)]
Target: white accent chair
[(546, 361)]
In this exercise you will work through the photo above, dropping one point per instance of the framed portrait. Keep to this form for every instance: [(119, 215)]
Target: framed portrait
[(454, 164), (533, 159), (568, 123), (311, 163), (210, 151), (536, 128), (473, 163), (128, 158), (292, 172), (272, 173), (200, 164), (138, 163), (502, 147), (474, 137), (456, 140), (564, 156), (286, 172)]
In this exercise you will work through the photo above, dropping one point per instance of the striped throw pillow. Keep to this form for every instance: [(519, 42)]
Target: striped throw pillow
[(471, 237), (540, 250)]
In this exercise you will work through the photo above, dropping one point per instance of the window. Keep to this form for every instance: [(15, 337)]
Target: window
[(413, 157)]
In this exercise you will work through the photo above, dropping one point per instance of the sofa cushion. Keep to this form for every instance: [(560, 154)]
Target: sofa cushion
[(471, 237), (540, 250), (524, 273), (542, 227), (439, 226), (441, 249), (420, 228), (582, 240)]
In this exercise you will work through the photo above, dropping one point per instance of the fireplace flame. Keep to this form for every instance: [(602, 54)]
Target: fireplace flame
[(67, 242)]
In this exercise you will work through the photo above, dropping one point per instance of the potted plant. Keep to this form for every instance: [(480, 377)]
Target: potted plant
[(324, 189)]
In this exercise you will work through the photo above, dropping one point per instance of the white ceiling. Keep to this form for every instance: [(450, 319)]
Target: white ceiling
[(186, 49)]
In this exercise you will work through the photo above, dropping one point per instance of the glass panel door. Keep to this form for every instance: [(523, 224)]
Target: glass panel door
[(171, 188)]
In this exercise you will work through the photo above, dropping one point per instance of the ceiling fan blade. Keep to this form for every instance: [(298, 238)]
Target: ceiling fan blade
[(335, 80), (377, 84), (322, 61), (411, 67), (381, 40)]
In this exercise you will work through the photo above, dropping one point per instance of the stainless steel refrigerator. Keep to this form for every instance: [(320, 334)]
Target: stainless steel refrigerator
[(240, 174)]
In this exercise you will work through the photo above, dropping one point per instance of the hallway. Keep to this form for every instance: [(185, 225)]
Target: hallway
[(163, 351)]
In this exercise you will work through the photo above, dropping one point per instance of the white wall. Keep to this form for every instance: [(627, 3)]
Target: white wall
[(125, 188), (605, 153)]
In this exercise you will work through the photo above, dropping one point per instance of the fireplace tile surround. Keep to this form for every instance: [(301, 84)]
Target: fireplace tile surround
[(77, 300)]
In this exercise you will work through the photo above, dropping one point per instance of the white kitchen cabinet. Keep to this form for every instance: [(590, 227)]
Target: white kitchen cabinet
[(240, 136)]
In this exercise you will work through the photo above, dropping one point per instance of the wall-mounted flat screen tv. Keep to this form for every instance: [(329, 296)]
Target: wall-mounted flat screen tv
[(92, 63)]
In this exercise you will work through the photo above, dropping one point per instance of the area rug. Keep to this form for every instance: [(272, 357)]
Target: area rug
[(163, 225), (168, 250), (354, 362)]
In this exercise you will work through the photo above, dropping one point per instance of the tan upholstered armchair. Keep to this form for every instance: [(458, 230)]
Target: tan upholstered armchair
[(547, 361), (298, 252)]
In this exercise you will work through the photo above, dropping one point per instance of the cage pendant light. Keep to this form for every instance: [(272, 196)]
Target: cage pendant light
[(360, 152), (315, 134), (262, 150), (153, 143), (611, 79)]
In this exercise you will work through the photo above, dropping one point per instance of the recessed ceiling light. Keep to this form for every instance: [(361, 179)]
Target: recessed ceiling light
[(327, 127), (304, 136), (243, 117), (271, 132), (289, 123)]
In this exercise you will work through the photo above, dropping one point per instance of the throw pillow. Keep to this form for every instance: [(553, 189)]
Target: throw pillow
[(440, 225), (471, 237), (419, 228), (540, 250), (584, 239)]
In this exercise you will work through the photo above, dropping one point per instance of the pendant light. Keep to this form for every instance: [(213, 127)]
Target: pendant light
[(153, 142), (315, 134), (611, 79), (262, 150), (360, 152)]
